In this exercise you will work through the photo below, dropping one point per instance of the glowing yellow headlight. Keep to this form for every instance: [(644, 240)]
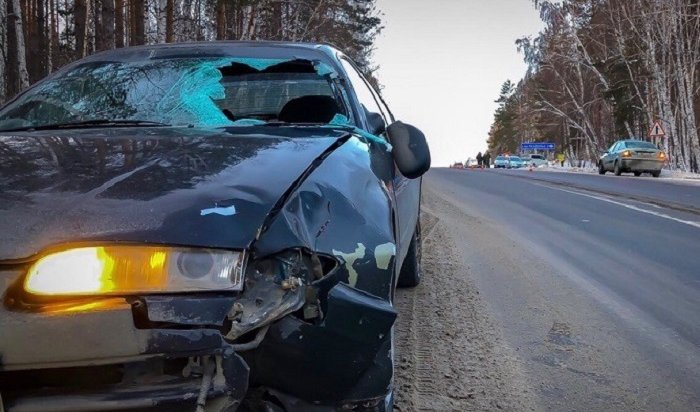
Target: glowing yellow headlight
[(122, 270)]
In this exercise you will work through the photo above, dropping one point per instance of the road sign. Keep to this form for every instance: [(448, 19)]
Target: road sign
[(657, 130), (537, 146)]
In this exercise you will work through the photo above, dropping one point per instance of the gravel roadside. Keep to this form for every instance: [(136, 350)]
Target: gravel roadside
[(449, 357)]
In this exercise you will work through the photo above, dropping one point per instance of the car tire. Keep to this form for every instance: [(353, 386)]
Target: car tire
[(656, 173), (637, 174), (411, 270), (618, 168), (601, 168)]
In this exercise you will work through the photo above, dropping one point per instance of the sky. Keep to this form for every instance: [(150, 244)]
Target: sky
[(442, 64)]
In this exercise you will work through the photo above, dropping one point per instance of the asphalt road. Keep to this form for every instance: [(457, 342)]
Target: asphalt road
[(592, 281)]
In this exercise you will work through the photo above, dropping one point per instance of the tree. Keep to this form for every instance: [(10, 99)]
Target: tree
[(137, 34), (107, 28), (3, 48), (60, 31), (119, 23), (605, 69), (17, 49), (81, 28)]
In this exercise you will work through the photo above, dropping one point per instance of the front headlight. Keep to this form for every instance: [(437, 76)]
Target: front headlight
[(123, 270)]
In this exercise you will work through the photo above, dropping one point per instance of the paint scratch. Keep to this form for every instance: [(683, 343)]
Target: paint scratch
[(223, 211), (350, 259), (383, 254)]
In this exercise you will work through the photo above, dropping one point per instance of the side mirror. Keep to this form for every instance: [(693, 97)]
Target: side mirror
[(411, 152), (376, 123)]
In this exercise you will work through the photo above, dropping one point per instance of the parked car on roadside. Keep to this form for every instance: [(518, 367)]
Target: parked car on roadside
[(515, 162), (632, 156), (501, 162), (536, 160), (205, 223)]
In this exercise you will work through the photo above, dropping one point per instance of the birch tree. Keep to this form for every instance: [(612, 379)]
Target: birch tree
[(60, 31), (3, 48), (19, 55)]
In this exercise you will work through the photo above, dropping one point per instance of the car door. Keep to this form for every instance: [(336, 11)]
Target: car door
[(406, 192), (609, 157), (621, 146)]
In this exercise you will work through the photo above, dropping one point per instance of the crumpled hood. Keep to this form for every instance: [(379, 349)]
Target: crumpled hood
[(177, 186)]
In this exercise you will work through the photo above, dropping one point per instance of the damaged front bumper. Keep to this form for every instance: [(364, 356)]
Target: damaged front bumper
[(320, 344)]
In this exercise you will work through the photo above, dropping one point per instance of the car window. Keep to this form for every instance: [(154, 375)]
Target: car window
[(365, 94), (179, 91), (640, 145)]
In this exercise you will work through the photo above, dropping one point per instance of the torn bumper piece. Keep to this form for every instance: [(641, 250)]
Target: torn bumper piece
[(347, 357), (173, 395), (171, 374), (170, 352)]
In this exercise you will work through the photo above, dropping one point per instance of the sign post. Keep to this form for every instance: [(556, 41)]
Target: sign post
[(657, 132)]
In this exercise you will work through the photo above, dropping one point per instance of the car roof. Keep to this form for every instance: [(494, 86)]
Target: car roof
[(218, 48)]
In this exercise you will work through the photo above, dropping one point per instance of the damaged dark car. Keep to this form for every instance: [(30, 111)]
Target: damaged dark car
[(204, 227)]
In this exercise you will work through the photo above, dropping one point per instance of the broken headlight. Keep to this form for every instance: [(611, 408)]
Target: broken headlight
[(123, 270), (277, 286)]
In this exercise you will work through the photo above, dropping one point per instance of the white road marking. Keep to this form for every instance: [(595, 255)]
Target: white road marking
[(628, 206)]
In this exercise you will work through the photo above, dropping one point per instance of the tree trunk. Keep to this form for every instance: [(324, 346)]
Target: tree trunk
[(41, 40), (119, 23), (107, 26), (136, 20), (277, 32), (53, 37), (220, 20), (161, 20), (3, 49), (19, 56), (169, 20), (81, 13)]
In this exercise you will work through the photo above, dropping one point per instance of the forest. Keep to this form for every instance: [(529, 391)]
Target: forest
[(38, 37), (603, 70)]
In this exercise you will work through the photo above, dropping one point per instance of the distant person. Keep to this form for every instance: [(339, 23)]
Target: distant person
[(480, 160), (487, 160)]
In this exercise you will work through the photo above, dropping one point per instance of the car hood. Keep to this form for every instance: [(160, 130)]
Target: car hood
[(177, 186)]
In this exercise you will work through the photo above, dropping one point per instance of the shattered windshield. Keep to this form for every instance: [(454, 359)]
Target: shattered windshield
[(200, 92)]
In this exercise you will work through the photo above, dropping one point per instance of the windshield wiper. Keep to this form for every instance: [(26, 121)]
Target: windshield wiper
[(88, 123)]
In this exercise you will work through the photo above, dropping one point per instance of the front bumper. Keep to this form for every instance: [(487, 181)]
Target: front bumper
[(166, 353), (642, 165)]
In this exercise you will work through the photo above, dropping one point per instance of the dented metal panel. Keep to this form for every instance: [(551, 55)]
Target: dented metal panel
[(80, 186)]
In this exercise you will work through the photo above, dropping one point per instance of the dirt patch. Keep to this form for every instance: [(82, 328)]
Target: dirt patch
[(448, 355)]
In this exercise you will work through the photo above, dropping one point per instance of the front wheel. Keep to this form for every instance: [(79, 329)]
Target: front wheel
[(601, 168), (656, 173), (411, 269), (618, 168)]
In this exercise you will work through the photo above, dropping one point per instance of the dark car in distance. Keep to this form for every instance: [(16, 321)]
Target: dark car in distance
[(209, 226), (632, 156)]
